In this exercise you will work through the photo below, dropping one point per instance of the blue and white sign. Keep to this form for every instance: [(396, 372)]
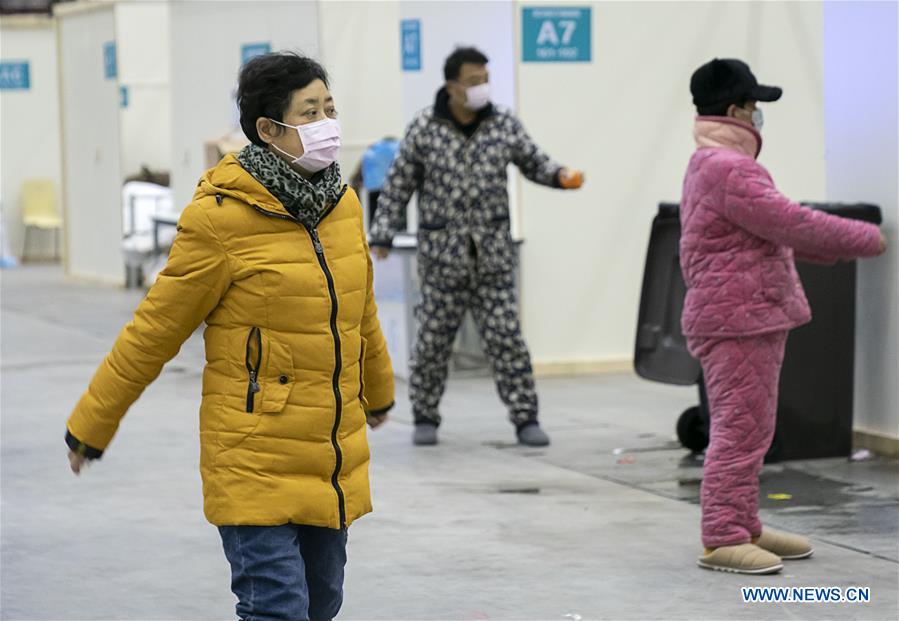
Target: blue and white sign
[(252, 50), (410, 44), (110, 65), (15, 75), (556, 34)]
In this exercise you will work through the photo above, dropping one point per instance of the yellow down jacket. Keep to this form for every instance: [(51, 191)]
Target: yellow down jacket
[(294, 354)]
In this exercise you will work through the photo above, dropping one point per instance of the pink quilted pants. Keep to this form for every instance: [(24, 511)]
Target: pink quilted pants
[(741, 379)]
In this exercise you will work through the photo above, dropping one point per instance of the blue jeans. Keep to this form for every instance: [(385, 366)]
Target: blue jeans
[(286, 573)]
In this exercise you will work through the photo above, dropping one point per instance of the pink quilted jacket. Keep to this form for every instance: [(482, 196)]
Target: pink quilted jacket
[(739, 235)]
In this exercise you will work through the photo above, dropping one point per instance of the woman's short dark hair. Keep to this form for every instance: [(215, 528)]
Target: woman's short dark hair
[(266, 83), (459, 57)]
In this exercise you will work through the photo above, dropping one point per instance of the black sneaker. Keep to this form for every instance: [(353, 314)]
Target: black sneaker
[(532, 435), (425, 434)]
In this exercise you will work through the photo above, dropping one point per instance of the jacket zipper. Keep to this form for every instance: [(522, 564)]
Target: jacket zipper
[(335, 382), (362, 381), (320, 253), (253, 371)]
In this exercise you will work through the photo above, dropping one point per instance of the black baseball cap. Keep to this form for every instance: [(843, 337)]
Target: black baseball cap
[(725, 80)]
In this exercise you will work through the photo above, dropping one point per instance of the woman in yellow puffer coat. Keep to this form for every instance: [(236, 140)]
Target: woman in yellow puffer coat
[(272, 255)]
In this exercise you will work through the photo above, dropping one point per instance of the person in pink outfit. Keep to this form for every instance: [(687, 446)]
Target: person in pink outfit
[(739, 242)]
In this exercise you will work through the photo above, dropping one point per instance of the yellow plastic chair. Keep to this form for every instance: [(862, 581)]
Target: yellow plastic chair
[(40, 209)]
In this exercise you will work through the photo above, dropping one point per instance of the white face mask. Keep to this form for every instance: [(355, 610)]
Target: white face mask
[(476, 97), (758, 119), (321, 144)]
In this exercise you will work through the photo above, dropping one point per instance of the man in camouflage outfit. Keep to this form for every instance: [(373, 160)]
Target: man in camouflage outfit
[(455, 155)]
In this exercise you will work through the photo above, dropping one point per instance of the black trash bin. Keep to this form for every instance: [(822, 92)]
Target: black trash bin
[(814, 410)]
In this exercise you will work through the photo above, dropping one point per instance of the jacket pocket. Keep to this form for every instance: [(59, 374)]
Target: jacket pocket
[(270, 373), (440, 246), (432, 226), (497, 252), (776, 280), (253, 363)]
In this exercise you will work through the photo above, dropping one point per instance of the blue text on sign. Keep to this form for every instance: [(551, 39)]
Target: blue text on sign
[(15, 75), (252, 50), (410, 44), (110, 64)]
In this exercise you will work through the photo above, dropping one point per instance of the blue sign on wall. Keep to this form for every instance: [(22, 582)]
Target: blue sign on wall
[(123, 96), (410, 44), (15, 75), (251, 50), (556, 34), (110, 66)]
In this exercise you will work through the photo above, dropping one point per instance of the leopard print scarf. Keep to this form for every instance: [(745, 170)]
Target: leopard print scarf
[(306, 200)]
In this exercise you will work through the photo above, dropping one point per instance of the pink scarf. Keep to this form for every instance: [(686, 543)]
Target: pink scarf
[(721, 132)]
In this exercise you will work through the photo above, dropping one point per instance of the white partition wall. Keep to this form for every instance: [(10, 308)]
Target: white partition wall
[(30, 121), (89, 99), (142, 38), (860, 77), (360, 50), (626, 119), (207, 39)]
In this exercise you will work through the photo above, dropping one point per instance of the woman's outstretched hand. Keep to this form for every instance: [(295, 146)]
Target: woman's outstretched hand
[(376, 421), (77, 462)]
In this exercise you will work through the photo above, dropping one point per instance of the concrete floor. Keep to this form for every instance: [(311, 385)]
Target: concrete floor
[(475, 528)]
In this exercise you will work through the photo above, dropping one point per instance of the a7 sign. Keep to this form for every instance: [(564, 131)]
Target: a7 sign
[(556, 34)]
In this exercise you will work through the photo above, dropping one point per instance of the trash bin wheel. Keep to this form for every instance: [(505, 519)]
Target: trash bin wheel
[(693, 430)]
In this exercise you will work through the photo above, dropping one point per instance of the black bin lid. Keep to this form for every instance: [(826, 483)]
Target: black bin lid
[(853, 211), (866, 212)]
